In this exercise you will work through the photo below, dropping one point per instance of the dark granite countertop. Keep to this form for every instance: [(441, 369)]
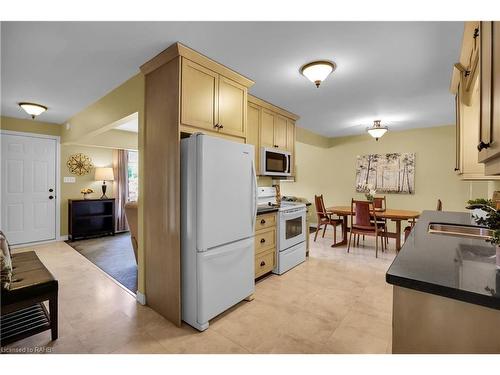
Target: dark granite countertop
[(453, 267), (266, 210)]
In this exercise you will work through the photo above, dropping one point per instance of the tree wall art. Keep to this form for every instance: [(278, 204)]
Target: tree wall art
[(386, 173)]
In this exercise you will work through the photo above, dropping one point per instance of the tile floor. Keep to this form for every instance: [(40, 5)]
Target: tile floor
[(333, 303)]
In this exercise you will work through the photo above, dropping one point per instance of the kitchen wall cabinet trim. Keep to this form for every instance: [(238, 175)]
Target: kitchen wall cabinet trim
[(272, 107), (178, 49)]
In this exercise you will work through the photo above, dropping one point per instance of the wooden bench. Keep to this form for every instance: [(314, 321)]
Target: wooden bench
[(23, 313)]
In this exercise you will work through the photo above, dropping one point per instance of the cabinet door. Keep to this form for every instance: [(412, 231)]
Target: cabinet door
[(280, 132), (199, 96), (290, 142), (232, 107), (267, 129), (290, 135), (253, 129)]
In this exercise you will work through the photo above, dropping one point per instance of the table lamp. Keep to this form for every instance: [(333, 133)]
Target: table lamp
[(104, 174)]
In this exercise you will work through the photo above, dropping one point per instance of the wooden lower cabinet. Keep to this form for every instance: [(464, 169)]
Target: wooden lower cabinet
[(265, 244), (265, 262)]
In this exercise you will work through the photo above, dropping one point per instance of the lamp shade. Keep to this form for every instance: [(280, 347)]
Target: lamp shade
[(104, 174), (377, 130), (317, 71), (32, 109)]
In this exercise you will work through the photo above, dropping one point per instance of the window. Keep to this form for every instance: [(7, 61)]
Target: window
[(133, 181)]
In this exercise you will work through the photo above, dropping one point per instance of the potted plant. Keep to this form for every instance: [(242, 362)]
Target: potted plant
[(370, 192), (490, 217), (86, 191)]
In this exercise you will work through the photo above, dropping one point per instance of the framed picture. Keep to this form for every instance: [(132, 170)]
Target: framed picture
[(386, 173)]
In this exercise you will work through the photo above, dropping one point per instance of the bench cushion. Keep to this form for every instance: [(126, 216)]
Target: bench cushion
[(30, 279), (5, 262)]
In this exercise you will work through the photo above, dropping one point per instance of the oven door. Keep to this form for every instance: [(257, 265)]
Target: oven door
[(275, 162), (292, 228)]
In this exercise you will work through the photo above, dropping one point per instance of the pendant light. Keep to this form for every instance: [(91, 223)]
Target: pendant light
[(377, 130), (318, 71), (32, 109)]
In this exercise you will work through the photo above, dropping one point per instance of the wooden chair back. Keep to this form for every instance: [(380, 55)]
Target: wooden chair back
[(320, 207), (439, 205), (362, 214), (379, 203)]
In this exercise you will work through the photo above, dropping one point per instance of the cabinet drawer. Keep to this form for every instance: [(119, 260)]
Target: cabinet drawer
[(265, 262), (265, 221), (265, 239)]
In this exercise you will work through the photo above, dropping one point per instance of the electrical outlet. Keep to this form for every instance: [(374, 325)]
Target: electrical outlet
[(69, 180)]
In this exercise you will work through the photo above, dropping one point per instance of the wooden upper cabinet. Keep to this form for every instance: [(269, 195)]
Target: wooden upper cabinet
[(290, 135), (267, 129), (489, 79), (199, 97), (232, 107), (280, 138), (253, 129)]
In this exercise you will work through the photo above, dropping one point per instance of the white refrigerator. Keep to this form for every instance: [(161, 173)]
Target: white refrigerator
[(218, 210)]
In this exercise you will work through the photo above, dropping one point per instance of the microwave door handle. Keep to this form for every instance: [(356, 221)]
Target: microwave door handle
[(287, 170)]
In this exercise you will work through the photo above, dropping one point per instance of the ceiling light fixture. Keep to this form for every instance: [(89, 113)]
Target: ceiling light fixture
[(32, 109), (377, 130), (318, 71)]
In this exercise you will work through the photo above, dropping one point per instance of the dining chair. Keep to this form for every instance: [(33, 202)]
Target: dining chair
[(325, 218), (364, 222), (380, 205)]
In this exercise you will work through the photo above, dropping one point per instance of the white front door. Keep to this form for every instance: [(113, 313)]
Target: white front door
[(28, 188)]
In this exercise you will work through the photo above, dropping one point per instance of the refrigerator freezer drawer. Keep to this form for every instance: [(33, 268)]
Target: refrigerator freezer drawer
[(225, 277)]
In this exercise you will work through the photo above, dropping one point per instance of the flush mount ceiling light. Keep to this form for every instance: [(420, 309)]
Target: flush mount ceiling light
[(32, 109), (317, 71), (377, 130)]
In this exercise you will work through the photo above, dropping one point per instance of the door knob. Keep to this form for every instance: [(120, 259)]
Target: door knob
[(51, 197), (51, 190)]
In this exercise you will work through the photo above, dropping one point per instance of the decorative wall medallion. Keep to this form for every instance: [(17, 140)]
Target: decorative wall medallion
[(80, 164)]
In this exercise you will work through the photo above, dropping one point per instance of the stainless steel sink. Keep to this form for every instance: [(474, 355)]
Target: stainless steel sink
[(460, 230)]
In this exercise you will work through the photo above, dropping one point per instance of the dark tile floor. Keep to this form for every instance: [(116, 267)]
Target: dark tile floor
[(113, 254)]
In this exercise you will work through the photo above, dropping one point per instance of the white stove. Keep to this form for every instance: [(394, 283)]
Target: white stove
[(291, 249)]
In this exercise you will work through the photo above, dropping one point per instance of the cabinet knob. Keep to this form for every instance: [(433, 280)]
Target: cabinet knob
[(221, 126), (482, 146), (457, 169), (216, 126), (262, 264), (262, 221), (262, 240)]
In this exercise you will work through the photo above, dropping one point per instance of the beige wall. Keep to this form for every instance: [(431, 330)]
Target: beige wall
[(101, 157), (331, 171), (102, 116), (29, 126)]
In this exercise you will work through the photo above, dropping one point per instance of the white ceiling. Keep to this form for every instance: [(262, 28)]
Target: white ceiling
[(397, 72)]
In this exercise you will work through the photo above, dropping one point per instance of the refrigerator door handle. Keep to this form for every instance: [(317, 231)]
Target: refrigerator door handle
[(254, 198)]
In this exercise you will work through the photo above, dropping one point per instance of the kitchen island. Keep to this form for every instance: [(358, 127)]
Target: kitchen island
[(446, 295)]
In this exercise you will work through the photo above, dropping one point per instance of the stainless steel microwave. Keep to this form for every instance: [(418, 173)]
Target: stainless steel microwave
[(275, 162)]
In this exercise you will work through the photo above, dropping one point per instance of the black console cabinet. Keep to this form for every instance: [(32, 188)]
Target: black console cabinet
[(90, 218)]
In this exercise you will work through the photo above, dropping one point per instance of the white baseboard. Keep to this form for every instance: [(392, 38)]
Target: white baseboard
[(28, 244), (141, 298), (63, 238)]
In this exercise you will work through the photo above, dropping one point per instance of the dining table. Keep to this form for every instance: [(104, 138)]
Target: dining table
[(394, 215)]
